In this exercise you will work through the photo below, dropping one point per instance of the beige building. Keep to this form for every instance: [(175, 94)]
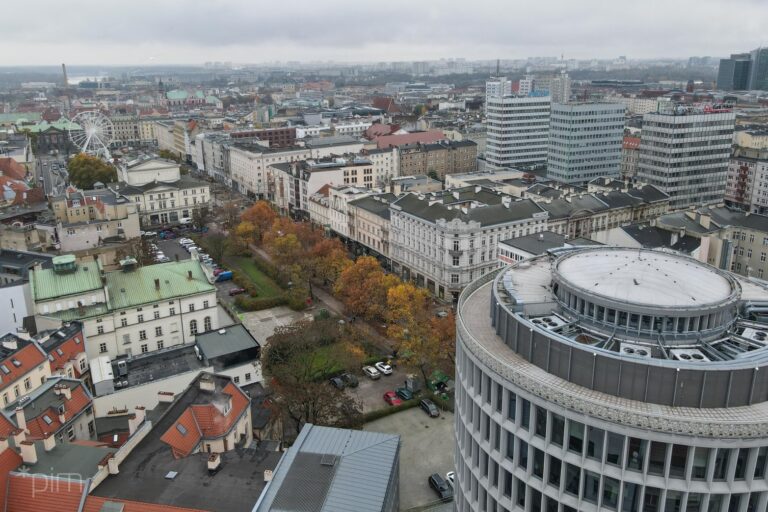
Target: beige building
[(369, 217), (24, 367), (440, 159), (126, 128)]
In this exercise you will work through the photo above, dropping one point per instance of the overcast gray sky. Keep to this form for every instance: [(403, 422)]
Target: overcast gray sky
[(249, 31)]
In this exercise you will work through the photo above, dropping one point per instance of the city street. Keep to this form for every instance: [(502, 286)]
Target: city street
[(52, 171)]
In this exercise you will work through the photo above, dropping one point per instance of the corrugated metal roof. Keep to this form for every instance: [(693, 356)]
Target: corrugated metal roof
[(127, 289)]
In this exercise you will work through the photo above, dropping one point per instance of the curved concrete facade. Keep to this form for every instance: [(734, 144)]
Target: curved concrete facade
[(529, 438)]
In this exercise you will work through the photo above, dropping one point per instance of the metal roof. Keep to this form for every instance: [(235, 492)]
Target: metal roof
[(345, 470), (140, 286), (47, 284)]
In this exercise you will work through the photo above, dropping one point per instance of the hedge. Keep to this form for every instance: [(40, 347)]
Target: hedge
[(392, 409), (247, 303)]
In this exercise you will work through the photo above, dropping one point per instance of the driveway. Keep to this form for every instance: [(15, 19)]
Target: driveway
[(426, 447)]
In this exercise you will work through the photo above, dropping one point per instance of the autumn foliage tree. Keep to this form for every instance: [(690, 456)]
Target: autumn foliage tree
[(424, 341), (296, 361), (85, 170), (261, 216), (363, 286)]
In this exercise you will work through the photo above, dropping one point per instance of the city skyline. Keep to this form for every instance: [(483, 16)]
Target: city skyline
[(172, 32)]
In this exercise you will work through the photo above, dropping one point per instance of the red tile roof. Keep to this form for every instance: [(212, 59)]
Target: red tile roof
[(9, 461), (631, 142), (66, 352), (40, 493), (205, 421), (94, 504), (11, 168), (28, 357), (387, 141), (7, 427), (40, 429), (184, 443)]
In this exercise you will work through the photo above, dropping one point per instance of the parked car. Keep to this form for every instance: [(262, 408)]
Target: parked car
[(371, 372), (391, 398), (337, 382), (451, 478), (225, 276), (162, 258), (236, 291), (429, 407), (441, 314), (404, 393), (349, 379), (441, 487), (186, 241), (383, 368), (185, 220)]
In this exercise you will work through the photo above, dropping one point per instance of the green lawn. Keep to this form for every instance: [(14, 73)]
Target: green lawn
[(266, 287)]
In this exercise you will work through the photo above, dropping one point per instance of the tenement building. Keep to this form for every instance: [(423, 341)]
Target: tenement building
[(612, 379)]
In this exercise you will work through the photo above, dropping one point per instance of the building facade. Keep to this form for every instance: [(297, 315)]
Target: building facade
[(746, 185), (517, 128), (584, 141), (568, 399), (685, 151), (630, 151)]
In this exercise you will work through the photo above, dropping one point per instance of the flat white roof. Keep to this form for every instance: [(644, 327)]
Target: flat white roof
[(645, 277)]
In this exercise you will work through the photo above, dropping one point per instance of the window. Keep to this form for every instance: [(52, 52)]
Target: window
[(141, 318), (631, 500), (721, 464), (27, 384), (591, 486), (160, 345), (172, 311), (636, 453), (158, 330), (205, 304), (144, 348), (207, 323), (700, 458), (541, 422), (652, 499), (247, 377), (142, 335), (678, 461), (123, 322), (193, 327), (657, 458), (522, 455), (595, 439), (100, 329), (615, 449), (538, 463), (558, 427), (237, 379), (575, 436), (572, 479), (157, 315), (102, 348), (555, 466), (454, 278), (741, 464), (191, 307)]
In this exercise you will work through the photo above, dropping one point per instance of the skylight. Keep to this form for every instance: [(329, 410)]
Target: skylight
[(47, 419), (181, 428)]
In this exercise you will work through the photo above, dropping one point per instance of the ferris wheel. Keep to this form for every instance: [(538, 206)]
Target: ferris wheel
[(92, 132)]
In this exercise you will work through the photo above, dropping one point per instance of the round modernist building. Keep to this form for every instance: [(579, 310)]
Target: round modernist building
[(612, 379)]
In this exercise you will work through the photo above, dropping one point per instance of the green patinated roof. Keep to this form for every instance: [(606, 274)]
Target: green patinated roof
[(68, 315), (199, 94), (47, 284), (129, 289), (176, 95), (62, 124), (211, 99)]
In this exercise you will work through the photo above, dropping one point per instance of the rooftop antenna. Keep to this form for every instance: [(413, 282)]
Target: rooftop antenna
[(498, 67)]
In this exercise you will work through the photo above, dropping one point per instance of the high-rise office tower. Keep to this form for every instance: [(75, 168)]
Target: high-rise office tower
[(585, 141), (733, 73), (758, 70), (611, 379), (517, 126), (684, 151), (560, 88)]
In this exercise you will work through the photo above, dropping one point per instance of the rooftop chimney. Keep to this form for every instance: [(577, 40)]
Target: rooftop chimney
[(49, 443), (21, 420), (165, 396), (3, 444), (136, 420), (189, 275), (157, 284), (28, 452), (207, 383), (214, 461), (63, 390)]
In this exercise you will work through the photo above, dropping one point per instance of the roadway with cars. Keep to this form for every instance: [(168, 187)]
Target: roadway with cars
[(53, 173)]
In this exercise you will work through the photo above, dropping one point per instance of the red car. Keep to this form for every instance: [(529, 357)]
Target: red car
[(236, 291), (391, 398)]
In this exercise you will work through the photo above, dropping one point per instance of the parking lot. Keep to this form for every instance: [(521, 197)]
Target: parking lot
[(426, 447), (171, 248), (371, 392)]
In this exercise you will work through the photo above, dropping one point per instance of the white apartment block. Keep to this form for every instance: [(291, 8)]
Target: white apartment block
[(585, 141), (445, 240), (129, 311), (498, 87), (684, 151), (167, 203), (249, 166), (517, 129)]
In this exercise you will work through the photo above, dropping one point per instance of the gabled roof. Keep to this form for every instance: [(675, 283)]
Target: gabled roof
[(17, 363), (12, 169), (64, 346), (10, 460), (96, 504), (39, 493), (205, 417), (41, 407)]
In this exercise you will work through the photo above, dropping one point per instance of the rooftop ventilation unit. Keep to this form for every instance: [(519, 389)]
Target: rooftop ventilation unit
[(688, 354), (755, 335), (632, 349), (549, 322)]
